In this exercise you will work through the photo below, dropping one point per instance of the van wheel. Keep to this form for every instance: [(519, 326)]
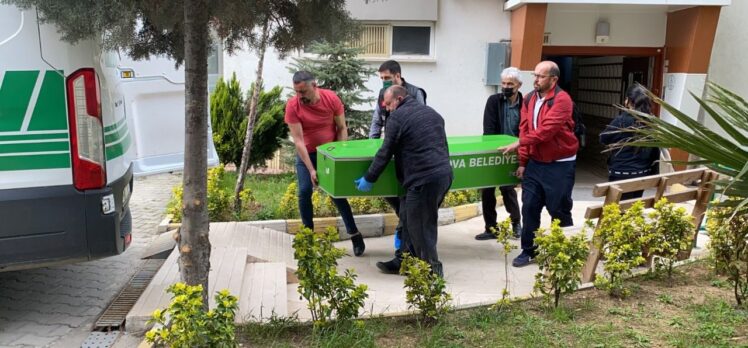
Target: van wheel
[(125, 225)]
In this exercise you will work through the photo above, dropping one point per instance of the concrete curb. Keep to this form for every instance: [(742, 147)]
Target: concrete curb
[(370, 225)]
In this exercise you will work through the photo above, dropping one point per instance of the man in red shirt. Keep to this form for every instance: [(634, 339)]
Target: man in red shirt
[(547, 156), (315, 116)]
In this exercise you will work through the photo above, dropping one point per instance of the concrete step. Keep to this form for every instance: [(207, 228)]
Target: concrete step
[(238, 249), (226, 272), (264, 292), (263, 244)]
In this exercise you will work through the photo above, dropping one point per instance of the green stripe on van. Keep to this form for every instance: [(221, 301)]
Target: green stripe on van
[(113, 137), (110, 128), (34, 147), (49, 111), (118, 149), (34, 136), (28, 162), (15, 94)]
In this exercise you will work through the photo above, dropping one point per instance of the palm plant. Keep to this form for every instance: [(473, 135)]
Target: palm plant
[(727, 155)]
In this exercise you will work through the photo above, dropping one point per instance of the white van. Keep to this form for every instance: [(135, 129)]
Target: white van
[(76, 124)]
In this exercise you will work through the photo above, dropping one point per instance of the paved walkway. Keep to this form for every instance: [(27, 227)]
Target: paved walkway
[(57, 306), (474, 270)]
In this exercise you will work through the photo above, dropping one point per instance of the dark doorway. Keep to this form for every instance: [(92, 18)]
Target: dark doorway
[(597, 81)]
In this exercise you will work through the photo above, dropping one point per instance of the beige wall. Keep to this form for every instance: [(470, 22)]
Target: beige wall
[(453, 79), (403, 10), (728, 66), (630, 25)]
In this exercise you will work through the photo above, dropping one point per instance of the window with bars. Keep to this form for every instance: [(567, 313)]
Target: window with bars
[(387, 40)]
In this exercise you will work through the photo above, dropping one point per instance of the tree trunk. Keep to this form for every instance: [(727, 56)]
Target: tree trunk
[(194, 245), (251, 122)]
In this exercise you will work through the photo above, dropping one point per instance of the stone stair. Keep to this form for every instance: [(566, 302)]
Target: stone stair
[(253, 263)]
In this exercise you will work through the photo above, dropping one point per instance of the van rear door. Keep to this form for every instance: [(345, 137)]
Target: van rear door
[(152, 92)]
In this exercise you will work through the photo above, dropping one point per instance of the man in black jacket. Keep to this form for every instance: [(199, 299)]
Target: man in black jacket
[(416, 138), (501, 116), (391, 75)]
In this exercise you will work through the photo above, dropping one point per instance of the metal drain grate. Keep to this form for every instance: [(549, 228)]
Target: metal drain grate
[(115, 314), (100, 339)]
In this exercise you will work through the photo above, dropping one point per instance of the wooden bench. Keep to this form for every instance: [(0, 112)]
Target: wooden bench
[(612, 192)]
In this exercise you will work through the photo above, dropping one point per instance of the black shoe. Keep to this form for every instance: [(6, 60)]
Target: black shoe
[(485, 236), (358, 244), (523, 260), (517, 230), (438, 270), (389, 267)]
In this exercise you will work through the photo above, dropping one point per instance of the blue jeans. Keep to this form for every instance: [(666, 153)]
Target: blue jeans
[(549, 185), (306, 188)]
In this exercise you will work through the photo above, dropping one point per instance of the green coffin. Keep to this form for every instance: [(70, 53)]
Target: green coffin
[(475, 161)]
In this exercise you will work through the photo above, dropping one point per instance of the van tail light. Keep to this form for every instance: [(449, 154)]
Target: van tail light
[(86, 130)]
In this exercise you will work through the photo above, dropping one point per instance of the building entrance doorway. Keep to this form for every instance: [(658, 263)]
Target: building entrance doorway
[(597, 78)]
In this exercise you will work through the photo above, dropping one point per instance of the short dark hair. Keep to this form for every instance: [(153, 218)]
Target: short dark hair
[(398, 91), (554, 70), (392, 66), (302, 76)]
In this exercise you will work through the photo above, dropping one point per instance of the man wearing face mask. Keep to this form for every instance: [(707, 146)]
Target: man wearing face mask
[(501, 116), (315, 117), (391, 75), (547, 149), (416, 138)]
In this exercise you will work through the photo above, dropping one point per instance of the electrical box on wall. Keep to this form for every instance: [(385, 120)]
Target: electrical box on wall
[(497, 59)]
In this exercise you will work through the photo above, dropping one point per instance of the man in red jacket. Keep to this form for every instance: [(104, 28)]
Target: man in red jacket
[(547, 156)]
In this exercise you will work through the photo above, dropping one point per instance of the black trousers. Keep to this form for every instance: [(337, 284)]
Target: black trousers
[(488, 201), (395, 203), (420, 218), (546, 185)]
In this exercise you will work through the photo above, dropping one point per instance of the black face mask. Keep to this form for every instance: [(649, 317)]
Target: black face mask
[(507, 91)]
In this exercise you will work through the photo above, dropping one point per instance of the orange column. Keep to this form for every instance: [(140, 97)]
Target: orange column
[(688, 46), (528, 25)]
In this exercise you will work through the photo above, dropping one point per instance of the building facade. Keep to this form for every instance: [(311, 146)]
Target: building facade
[(602, 46)]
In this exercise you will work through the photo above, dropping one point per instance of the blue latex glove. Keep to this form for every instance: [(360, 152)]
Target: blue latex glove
[(363, 185)]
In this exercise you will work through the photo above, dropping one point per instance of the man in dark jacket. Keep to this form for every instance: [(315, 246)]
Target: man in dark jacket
[(416, 138), (547, 156), (391, 75), (501, 116)]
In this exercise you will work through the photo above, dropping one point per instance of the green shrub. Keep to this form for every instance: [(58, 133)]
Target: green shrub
[(670, 231), (622, 238), (288, 208), (219, 200), (184, 324), (425, 290), (728, 232), (461, 197), (228, 120), (327, 293), (270, 128), (174, 207), (560, 260), (322, 204), (503, 233), (228, 115)]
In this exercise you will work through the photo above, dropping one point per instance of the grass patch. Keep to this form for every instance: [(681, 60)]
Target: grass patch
[(266, 188), (686, 312)]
